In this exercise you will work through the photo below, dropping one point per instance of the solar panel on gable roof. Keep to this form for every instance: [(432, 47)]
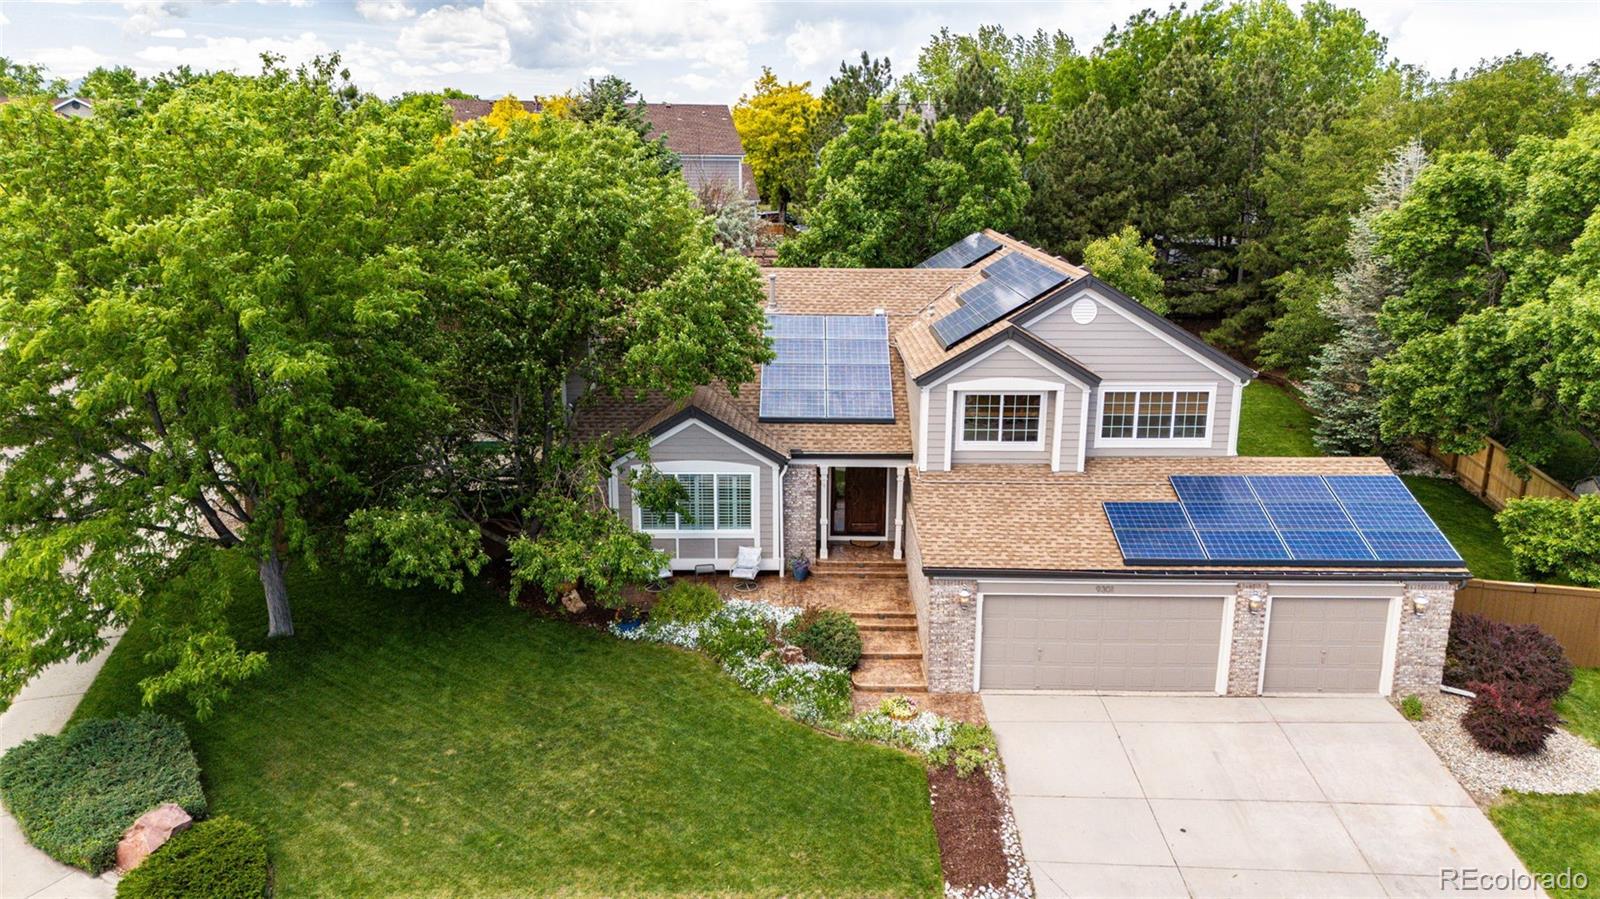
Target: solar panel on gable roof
[(856, 327), (797, 350), (1145, 515), (858, 377), (858, 352), (860, 405), (1157, 546), (1326, 546), (1420, 547), (1367, 488), (1027, 276), (796, 326), (1242, 546), (981, 305), (1211, 488), (1228, 516), (1397, 515), (1290, 488), (1308, 516), (793, 404), (962, 253)]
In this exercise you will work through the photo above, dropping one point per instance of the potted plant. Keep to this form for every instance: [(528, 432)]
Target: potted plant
[(801, 567)]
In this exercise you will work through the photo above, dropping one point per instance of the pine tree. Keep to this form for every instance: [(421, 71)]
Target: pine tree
[(1340, 391)]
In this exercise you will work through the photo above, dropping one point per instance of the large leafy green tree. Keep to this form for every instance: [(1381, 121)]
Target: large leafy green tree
[(20, 79), (602, 280), (1497, 325), (207, 341), (1128, 263), (889, 194)]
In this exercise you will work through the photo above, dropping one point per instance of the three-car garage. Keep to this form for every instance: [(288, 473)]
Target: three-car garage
[(1130, 637)]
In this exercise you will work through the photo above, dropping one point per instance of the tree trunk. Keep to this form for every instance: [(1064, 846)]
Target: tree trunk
[(279, 622)]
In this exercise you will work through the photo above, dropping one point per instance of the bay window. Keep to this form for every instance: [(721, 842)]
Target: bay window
[(715, 502)]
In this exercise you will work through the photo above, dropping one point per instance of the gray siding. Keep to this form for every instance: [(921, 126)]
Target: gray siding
[(697, 443), (1007, 362), (1120, 350), (702, 170)]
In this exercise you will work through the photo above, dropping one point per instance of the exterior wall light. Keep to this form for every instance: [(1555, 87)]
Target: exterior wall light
[(1256, 603), (1419, 604), (963, 596)]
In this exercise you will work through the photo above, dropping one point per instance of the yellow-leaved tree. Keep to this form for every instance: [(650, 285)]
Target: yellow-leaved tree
[(775, 126)]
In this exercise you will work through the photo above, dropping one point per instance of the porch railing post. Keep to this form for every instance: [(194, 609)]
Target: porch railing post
[(824, 508), (899, 509)]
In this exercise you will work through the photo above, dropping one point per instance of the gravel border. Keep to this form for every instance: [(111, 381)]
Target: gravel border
[(1567, 764), (1019, 883)]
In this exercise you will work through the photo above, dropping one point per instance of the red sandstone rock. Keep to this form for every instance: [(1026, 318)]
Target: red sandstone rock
[(153, 829)]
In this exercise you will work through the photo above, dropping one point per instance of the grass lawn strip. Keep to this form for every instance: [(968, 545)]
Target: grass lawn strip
[(423, 743), (1274, 423)]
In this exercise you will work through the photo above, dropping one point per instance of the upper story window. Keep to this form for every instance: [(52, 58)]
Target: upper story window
[(1176, 416), (716, 502), (1001, 420)]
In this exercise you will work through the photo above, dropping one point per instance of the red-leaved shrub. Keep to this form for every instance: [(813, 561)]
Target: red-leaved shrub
[(1510, 718), (1482, 651)]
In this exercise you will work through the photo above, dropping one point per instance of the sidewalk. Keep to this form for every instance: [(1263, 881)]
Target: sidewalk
[(42, 707)]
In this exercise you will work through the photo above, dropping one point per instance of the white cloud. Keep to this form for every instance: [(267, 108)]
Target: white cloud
[(455, 39), (3, 19), (385, 10), (147, 16), (237, 54), (70, 62), (813, 42), (697, 82), (170, 33)]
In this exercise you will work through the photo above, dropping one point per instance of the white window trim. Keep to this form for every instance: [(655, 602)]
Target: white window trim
[(997, 445), (1210, 390), (712, 468)]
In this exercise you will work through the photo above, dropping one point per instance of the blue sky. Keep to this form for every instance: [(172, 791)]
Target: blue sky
[(674, 51)]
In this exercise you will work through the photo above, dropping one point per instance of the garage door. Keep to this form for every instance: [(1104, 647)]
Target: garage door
[(1100, 643), (1325, 645)]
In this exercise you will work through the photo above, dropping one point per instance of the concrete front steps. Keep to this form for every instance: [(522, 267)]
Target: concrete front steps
[(889, 644)]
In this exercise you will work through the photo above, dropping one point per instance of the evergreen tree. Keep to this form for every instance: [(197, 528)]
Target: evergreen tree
[(849, 92), (1341, 391)]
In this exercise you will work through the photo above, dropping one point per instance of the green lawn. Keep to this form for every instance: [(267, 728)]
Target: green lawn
[(1554, 833), (1468, 523), (1273, 423), (427, 744)]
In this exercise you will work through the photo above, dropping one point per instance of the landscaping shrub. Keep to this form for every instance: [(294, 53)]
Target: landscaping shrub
[(828, 636), (1481, 651), (731, 638), (1551, 538), (971, 747), (1510, 718), (75, 793), (223, 858), (1411, 708), (686, 602)]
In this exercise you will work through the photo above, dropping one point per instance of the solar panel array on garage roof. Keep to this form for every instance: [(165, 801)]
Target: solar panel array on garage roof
[(828, 368), (1355, 520), (964, 252), (1007, 284)]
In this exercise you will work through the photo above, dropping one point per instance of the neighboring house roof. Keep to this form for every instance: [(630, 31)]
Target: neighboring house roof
[(924, 354), (57, 104), (695, 129), (900, 293), (1024, 518), (691, 129)]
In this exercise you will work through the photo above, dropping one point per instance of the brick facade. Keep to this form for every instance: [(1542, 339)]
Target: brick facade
[(951, 649), (799, 513), (1419, 653), (1249, 629)]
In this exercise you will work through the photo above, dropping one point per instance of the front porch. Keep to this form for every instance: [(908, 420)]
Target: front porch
[(859, 504)]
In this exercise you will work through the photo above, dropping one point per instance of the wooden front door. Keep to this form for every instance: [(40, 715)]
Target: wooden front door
[(865, 501)]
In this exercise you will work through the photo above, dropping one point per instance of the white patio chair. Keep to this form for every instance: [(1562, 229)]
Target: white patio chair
[(745, 568)]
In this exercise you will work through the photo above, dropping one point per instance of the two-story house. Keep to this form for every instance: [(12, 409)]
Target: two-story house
[(1057, 466)]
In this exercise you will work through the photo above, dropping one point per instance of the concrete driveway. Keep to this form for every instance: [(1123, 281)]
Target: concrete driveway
[(1210, 796)]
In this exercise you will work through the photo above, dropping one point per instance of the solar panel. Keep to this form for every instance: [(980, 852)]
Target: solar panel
[(981, 305), (1025, 275), (1276, 519), (828, 368), (1243, 546), (964, 252)]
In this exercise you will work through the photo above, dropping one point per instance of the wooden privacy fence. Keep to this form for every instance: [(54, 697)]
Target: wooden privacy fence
[(1487, 475), (1570, 614)]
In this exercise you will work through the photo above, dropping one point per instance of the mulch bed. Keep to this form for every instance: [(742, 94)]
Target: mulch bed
[(968, 819)]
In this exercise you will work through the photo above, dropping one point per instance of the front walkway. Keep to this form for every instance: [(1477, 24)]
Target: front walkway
[(1211, 796), (43, 707)]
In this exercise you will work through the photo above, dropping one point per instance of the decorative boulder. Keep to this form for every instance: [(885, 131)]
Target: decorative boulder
[(572, 602), (153, 829), (792, 655)]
